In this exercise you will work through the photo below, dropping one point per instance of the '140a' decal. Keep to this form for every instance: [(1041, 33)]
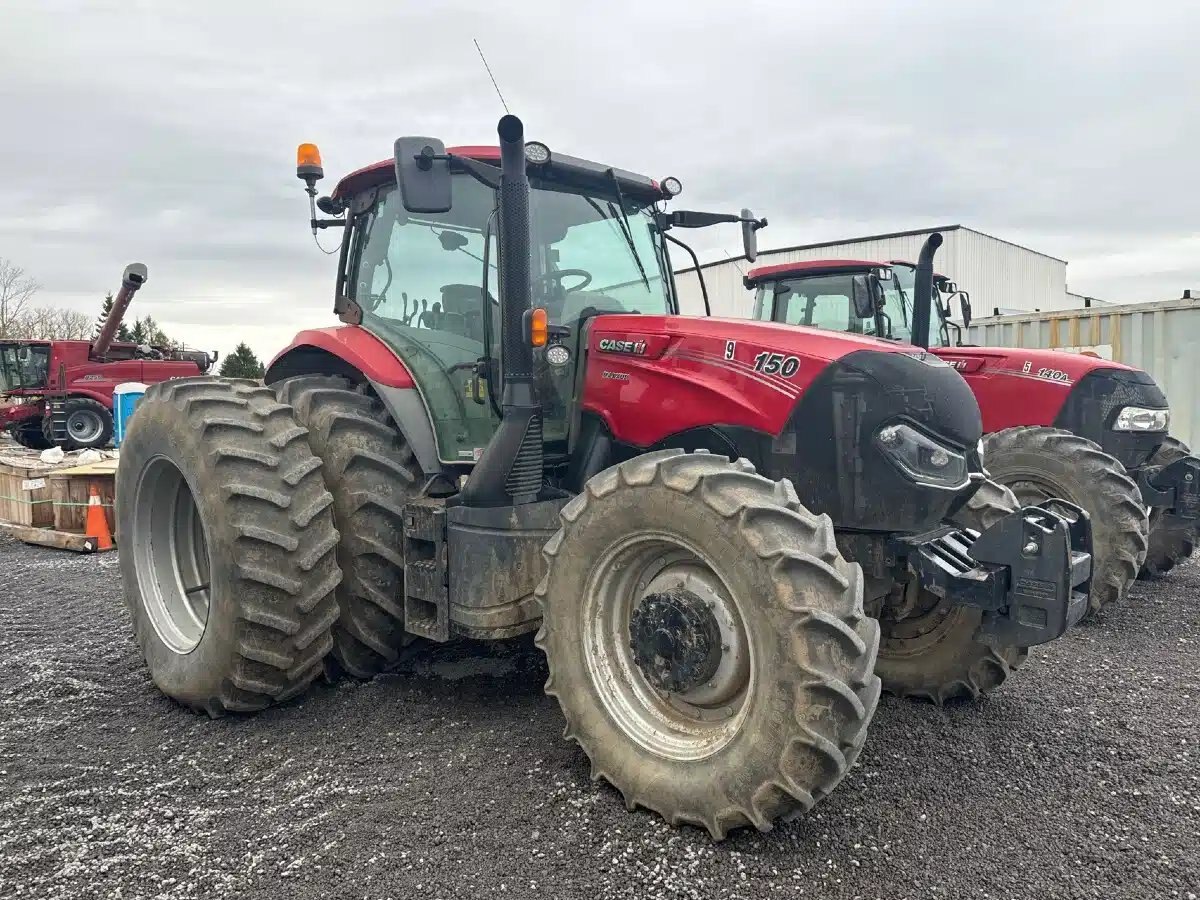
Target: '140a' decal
[(776, 364)]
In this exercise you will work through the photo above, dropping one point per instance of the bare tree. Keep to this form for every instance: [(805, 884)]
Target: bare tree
[(16, 290), (51, 323)]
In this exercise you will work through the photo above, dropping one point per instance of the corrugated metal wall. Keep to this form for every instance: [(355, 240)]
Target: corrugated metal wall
[(1160, 338), (996, 273)]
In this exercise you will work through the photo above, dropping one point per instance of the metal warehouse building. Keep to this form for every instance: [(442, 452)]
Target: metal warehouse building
[(998, 274)]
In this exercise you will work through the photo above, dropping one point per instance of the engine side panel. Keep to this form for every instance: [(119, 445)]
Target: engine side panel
[(1019, 387), (648, 377)]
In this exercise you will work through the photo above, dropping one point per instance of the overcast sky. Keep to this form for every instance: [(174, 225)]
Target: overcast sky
[(165, 131)]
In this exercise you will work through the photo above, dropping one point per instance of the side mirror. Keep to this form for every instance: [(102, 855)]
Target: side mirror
[(862, 297), (750, 227), (423, 174), (964, 303)]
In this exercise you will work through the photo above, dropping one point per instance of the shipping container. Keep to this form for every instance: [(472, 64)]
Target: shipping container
[(1160, 338)]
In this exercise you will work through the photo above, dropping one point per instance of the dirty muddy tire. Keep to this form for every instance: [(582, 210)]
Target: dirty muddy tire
[(227, 545), (89, 424), (706, 641), (371, 472), (1040, 463), (1171, 542), (932, 654), (29, 434)]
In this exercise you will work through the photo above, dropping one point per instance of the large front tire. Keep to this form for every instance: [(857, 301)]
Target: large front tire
[(786, 710), (932, 654), (227, 543), (371, 472), (89, 424), (1039, 463), (1171, 541)]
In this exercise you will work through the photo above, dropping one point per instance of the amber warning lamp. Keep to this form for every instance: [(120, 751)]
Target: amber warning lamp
[(308, 164), (537, 326)]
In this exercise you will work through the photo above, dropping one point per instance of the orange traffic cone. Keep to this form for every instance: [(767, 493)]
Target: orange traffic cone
[(96, 525)]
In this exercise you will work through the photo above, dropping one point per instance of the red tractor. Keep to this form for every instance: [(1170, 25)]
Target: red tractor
[(510, 432), (61, 392), (1057, 424)]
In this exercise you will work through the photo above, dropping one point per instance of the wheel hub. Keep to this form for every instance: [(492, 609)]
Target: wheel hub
[(675, 639)]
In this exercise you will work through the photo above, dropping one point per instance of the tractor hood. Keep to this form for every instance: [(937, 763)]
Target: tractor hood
[(810, 343), (1055, 366)]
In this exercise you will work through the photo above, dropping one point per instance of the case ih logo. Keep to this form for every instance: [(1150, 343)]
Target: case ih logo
[(612, 345)]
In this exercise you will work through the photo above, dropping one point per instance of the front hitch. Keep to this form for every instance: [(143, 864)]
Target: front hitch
[(1030, 572), (1173, 488)]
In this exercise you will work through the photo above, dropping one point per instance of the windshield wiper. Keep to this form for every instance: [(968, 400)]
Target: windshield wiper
[(625, 229)]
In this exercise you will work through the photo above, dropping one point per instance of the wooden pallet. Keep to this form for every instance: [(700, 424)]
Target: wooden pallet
[(52, 537)]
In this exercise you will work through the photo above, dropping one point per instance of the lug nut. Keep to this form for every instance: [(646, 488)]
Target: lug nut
[(1031, 548)]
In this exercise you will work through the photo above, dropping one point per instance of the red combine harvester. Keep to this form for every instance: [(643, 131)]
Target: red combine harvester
[(509, 432), (61, 392), (1057, 424)]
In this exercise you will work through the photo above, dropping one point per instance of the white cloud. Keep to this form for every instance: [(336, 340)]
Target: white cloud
[(165, 132)]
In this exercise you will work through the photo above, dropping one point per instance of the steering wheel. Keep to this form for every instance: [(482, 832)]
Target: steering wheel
[(558, 275)]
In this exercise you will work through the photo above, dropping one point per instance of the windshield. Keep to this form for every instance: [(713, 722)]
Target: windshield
[(420, 282), (898, 295), (24, 366), (816, 301)]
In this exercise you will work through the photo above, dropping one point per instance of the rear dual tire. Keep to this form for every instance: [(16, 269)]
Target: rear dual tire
[(371, 473), (227, 556)]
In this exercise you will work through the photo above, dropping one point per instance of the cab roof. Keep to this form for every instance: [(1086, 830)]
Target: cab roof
[(632, 184), (804, 267)]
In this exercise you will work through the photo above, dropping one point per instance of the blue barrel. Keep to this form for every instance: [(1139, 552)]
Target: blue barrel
[(125, 401)]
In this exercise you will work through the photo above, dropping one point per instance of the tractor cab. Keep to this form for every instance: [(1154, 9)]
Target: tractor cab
[(425, 277), (856, 296), (24, 366)]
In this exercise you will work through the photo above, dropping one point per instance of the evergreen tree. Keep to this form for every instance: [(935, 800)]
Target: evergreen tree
[(123, 332), (137, 333), (242, 363)]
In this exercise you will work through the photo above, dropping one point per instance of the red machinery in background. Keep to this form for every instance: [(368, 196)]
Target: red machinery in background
[(61, 392)]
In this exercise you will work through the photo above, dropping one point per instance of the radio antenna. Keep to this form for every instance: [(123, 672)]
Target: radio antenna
[(733, 259), (490, 75)]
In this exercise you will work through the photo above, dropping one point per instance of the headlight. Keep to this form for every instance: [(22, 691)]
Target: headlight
[(923, 459), (536, 153), (1139, 418)]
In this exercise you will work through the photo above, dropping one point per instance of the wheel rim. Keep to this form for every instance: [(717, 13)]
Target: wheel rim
[(85, 426), (684, 725), (171, 556), (1031, 487), (916, 633)]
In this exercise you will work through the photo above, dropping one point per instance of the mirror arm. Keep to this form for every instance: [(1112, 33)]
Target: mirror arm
[(489, 176), (699, 271), (327, 223)]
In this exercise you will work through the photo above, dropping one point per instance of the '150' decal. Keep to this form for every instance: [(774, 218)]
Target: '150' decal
[(776, 364)]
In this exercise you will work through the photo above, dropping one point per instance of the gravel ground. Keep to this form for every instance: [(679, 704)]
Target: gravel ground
[(449, 778)]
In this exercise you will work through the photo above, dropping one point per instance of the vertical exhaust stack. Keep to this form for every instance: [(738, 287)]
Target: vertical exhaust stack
[(134, 277), (923, 289), (509, 472)]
